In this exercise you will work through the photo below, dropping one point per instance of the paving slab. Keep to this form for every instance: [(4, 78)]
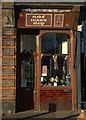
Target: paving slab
[(82, 115), (42, 115)]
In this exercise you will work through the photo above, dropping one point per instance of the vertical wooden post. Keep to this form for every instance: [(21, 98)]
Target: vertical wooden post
[(73, 72), (37, 76)]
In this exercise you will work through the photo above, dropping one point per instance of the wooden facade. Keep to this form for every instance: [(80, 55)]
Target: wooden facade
[(59, 19)]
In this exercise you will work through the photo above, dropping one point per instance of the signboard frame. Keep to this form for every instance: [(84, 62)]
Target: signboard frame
[(36, 18), (58, 20)]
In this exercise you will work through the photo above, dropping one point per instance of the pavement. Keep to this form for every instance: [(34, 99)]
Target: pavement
[(43, 115), (82, 115)]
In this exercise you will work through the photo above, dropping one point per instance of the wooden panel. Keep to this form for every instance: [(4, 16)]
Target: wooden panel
[(63, 20)]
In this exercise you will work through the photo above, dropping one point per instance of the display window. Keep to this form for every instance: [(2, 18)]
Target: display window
[(55, 59)]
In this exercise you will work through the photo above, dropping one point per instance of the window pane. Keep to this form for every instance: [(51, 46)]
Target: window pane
[(55, 60)]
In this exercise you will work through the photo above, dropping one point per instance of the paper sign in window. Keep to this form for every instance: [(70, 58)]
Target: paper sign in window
[(44, 70), (64, 48)]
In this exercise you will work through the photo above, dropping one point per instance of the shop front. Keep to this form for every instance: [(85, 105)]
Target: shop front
[(46, 65), (55, 90)]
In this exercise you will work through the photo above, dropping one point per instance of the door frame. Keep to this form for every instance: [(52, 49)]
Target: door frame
[(38, 68), (18, 32)]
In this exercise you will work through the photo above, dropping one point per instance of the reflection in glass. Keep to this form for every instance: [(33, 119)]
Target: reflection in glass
[(27, 74)]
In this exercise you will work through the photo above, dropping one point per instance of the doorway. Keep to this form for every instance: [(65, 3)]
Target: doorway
[(26, 45), (48, 44)]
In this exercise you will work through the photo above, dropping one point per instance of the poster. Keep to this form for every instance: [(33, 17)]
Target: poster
[(44, 70)]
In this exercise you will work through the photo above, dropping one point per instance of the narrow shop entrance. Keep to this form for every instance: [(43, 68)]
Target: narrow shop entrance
[(26, 45)]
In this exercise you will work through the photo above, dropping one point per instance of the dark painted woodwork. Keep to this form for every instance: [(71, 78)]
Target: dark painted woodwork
[(69, 20)]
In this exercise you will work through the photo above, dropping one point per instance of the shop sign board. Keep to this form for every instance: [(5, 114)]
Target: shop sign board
[(40, 20), (64, 20)]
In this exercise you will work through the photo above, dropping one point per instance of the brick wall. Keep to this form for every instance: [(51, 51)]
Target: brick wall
[(62, 99), (8, 59), (0, 59)]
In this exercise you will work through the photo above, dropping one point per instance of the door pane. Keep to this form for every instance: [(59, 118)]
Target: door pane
[(27, 74)]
